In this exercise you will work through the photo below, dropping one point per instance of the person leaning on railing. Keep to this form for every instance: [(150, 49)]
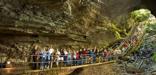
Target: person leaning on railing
[(78, 58), (69, 57), (104, 55), (35, 57), (48, 57), (65, 56), (81, 57), (93, 56), (84, 56), (58, 54), (117, 53), (90, 56), (62, 57), (74, 57), (51, 52), (43, 55)]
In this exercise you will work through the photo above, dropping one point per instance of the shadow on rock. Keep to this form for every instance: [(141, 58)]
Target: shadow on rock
[(77, 71)]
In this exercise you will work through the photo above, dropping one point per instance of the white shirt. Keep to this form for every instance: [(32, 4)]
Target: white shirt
[(51, 50), (117, 51), (65, 52)]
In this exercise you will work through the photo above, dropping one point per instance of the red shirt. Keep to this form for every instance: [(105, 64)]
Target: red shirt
[(77, 56), (125, 45), (84, 53)]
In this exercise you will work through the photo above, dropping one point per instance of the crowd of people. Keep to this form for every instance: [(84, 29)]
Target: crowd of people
[(48, 57)]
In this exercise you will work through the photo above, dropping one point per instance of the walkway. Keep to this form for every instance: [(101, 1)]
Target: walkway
[(26, 70), (65, 70)]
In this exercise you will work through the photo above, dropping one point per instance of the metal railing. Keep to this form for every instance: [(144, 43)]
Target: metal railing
[(39, 65)]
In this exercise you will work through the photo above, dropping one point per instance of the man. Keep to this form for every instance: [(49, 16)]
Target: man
[(43, 55), (84, 53), (65, 56), (117, 53), (35, 57), (62, 56), (48, 57)]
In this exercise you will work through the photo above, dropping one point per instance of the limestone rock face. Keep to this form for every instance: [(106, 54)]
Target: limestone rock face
[(61, 23)]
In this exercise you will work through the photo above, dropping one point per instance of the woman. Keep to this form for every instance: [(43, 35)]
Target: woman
[(58, 54), (35, 56), (77, 58), (51, 52), (74, 57), (69, 57)]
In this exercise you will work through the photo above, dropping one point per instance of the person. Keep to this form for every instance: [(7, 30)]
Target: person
[(91, 54), (48, 57), (77, 58), (88, 56), (35, 56), (43, 55), (69, 58), (84, 55), (58, 54), (65, 56), (125, 46), (74, 57), (109, 54), (81, 57), (62, 56), (98, 55), (105, 55), (101, 54), (50, 54), (134, 42), (94, 55), (117, 53)]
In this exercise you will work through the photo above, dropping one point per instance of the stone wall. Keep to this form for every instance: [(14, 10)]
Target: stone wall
[(61, 23)]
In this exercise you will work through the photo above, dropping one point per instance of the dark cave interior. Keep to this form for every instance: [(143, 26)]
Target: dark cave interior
[(149, 4)]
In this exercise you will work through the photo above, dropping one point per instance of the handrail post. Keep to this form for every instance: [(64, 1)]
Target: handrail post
[(1, 66), (1, 61)]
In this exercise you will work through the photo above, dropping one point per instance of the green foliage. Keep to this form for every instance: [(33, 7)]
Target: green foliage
[(140, 15), (113, 28), (154, 56), (151, 28), (117, 35), (130, 23)]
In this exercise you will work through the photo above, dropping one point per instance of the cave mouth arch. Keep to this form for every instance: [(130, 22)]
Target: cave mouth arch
[(149, 4)]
